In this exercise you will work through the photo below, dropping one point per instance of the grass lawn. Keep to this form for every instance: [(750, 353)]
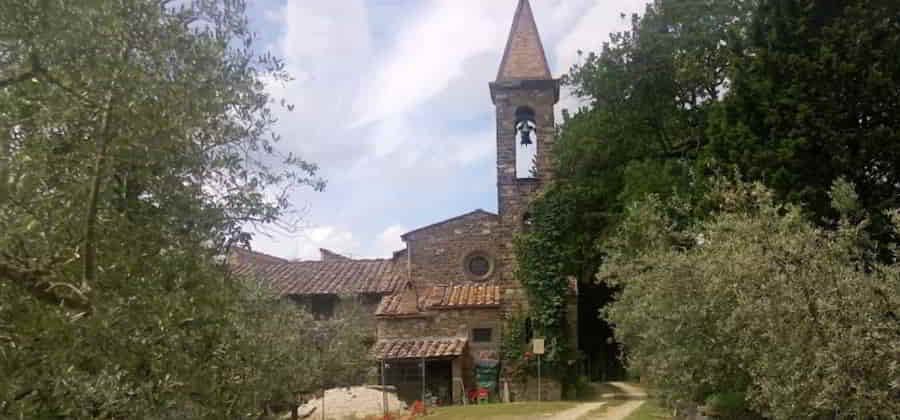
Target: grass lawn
[(524, 410), (650, 410)]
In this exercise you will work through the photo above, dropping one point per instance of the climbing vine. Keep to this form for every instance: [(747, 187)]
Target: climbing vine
[(513, 346), (545, 267)]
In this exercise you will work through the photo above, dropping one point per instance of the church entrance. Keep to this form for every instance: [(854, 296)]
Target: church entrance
[(595, 335)]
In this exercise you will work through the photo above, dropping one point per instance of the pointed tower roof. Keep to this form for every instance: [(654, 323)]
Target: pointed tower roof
[(524, 57)]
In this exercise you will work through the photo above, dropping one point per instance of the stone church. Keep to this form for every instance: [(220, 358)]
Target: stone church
[(443, 300)]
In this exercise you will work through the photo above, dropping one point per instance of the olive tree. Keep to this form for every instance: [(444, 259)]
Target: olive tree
[(756, 303), (136, 146)]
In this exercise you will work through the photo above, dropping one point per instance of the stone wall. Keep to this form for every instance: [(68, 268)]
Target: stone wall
[(450, 323), (541, 96), (445, 323), (360, 304), (527, 389), (514, 195), (366, 309), (437, 254)]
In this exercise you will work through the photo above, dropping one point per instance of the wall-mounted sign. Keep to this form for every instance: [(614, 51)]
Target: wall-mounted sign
[(537, 345)]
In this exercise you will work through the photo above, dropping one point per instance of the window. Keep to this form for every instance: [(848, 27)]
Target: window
[(527, 221), (322, 306), (482, 335), (371, 299), (529, 331), (478, 265)]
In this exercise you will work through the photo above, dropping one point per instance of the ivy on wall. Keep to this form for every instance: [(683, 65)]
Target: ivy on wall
[(543, 270), (513, 346)]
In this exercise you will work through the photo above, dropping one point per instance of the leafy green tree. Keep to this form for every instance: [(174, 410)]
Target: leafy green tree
[(814, 98), (757, 302), (650, 90), (135, 148), (793, 94)]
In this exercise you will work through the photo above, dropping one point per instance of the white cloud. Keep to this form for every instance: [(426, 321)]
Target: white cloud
[(593, 29), (325, 44), (393, 104), (305, 245), (429, 54), (318, 29), (329, 237), (389, 241)]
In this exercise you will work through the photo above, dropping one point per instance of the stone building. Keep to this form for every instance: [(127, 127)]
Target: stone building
[(324, 287), (442, 302)]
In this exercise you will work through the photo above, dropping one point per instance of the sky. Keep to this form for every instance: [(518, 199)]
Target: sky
[(391, 101)]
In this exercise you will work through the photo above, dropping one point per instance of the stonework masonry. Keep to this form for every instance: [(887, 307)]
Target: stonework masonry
[(437, 253), (514, 195), (450, 323)]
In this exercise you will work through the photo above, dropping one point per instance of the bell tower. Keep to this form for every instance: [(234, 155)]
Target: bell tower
[(524, 95)]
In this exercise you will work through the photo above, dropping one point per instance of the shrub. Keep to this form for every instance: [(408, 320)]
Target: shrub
[(756, 300)]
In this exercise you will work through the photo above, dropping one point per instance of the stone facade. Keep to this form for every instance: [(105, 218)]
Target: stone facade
[(445, 297), (437, 253), (515, 194), (450, 323)]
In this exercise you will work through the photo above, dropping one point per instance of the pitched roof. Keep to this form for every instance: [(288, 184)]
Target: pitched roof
[(417, 348), (524, 57), (323, 277), (329, 255), (404, 302), (464, 296), (476, 212), (246, 256)]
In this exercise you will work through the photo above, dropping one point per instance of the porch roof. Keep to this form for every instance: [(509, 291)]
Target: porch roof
[(418, 348)]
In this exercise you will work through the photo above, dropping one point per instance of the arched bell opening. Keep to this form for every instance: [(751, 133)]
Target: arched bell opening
[(526, 143)]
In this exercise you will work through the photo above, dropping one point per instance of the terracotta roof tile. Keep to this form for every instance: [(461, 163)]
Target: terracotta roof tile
[(464, 296), (402, 303), (323, 277), (417, 348), (246, 256)]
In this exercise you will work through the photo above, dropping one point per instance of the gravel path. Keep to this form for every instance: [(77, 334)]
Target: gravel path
[(618, 412), (577, 412)]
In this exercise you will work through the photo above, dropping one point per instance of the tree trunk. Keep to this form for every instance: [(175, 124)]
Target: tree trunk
[(4, 165), (89, 273)]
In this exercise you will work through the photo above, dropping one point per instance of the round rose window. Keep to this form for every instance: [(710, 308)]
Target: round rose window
[(478, 265)]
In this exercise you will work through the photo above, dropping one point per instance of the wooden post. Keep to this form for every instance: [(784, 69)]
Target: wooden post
[(539, 377), (423, 382), (384, 398), (537, 346)]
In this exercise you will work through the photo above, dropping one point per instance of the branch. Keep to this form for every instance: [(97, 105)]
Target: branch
[(35, 281), (34, 69), (89, 267), (18, 78), (56, 82)]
